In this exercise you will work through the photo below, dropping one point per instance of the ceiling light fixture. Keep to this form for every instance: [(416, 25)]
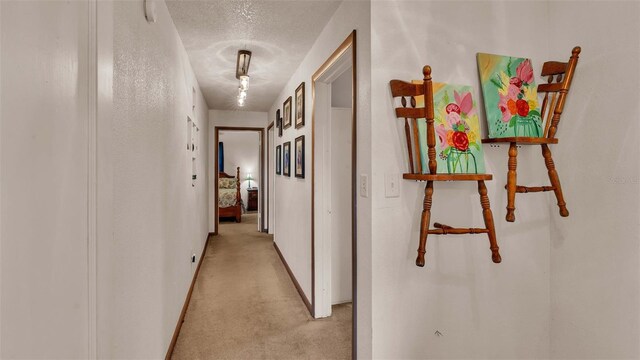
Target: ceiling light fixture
[(242, 74), (242, 65)]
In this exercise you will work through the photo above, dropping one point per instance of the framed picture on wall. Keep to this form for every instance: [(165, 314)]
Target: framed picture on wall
[(286, 158), (299, 150), (286, 111), (279, 123), (300, 106), (279, 160)]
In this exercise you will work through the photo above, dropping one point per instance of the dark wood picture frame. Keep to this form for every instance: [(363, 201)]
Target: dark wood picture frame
[(299, 157), (279, 123), (300, 106), (286, 159), (279, 160), (286, 113)]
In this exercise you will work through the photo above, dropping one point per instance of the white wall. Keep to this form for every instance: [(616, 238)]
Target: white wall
[(340, 194), (241, 148), (238, 118), (567, 287), (341, 91), (293, 199), (255, 119), (595, 298), (44, 166), (159, 219), (483, 310)]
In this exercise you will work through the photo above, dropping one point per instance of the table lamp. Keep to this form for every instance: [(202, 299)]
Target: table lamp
[(249, 178)]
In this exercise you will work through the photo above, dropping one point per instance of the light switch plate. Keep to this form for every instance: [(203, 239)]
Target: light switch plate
[(391, 185), (364, 185)]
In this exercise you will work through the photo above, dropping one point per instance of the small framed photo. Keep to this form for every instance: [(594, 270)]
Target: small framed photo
[(299, 149), (300, 106), (279, 123), (279, 160), (286, 158), (286, 111)]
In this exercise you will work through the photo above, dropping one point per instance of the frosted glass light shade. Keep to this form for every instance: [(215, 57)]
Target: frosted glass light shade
[(244, 82)]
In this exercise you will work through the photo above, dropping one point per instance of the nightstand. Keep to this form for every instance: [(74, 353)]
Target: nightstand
[(252, 199)]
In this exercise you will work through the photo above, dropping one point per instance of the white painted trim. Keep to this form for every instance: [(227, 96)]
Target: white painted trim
[(103, 164), (322, 163), (0, 183), (338, 68), (92, 119)]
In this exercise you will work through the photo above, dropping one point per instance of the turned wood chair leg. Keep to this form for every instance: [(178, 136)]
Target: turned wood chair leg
[(488, 222), (511, 182), (424, 223), (555, 180)]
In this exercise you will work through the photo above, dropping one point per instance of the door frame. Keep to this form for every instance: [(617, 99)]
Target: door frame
[(267, 187), (260, 131), (348, 44)]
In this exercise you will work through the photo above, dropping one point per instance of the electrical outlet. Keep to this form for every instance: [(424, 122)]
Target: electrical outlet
[(364, 185), (193, 258), (391, 185)]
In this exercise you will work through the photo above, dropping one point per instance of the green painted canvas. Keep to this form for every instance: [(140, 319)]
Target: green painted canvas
[(458, 145), (510, 96)]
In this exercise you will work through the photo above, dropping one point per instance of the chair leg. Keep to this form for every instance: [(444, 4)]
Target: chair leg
[(511, 182), (424, 223), (555, 180), (488, 222)]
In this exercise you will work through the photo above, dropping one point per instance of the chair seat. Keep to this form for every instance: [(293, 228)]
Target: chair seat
[(447, 177), (521, 140)]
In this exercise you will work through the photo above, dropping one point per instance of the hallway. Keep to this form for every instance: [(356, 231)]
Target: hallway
[(244, 306), (110, 179)]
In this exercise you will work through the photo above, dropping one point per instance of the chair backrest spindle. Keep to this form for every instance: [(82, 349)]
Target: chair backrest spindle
[(411, 113), (552, 106), (431, 132), (407, 132)]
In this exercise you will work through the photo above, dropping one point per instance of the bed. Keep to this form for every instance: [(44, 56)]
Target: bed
[(229, 200)]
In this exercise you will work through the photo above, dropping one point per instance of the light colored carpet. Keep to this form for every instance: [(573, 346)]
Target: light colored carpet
[(244, 306)]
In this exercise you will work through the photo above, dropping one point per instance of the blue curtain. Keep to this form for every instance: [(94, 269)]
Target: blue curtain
[(220, 157)]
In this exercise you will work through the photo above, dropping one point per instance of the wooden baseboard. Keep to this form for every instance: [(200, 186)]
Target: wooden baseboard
[(294, 280), (176, 332)]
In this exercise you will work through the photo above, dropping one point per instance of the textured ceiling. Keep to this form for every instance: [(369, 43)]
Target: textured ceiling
[(278, 33)]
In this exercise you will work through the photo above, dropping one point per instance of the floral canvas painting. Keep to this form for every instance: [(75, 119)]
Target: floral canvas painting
[(510, 96), (457, 127)]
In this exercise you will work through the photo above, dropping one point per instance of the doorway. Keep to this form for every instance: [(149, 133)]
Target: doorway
[(333, 169), (238, 157)]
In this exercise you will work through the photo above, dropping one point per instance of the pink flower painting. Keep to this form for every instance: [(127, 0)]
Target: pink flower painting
[(510, 96), (457, 130)]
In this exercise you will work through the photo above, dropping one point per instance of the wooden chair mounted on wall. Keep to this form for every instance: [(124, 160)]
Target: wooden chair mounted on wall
[(555, 92), (411, 114)]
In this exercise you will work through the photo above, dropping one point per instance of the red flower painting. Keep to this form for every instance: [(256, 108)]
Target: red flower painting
[(460, 140)]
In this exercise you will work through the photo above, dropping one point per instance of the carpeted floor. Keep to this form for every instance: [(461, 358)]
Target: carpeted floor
[(244, 306)]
